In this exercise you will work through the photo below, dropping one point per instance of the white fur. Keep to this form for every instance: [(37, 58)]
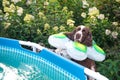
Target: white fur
[(79, 32), (63, 52)]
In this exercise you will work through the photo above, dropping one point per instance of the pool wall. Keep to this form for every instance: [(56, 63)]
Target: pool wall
[(69, 69)]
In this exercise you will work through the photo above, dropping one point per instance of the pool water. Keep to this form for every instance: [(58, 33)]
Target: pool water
[(23, 72), (16, 64), (15, 67)]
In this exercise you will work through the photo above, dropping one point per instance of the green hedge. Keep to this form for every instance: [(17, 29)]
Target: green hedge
[(35, 20)]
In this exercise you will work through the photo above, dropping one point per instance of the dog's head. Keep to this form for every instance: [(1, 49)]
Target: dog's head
[(81, 34)]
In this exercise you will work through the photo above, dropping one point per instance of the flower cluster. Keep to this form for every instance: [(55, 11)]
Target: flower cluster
[(15, 1), (114, 34), (6, 24), (118, 1), (46, 26), (70, 22), (62, 28), (85, 4), (41, 14), (19, 10), (105, 26), (55, 28), (10, 9), (28, 18), (34, 20), (83, 14), (93, 13)]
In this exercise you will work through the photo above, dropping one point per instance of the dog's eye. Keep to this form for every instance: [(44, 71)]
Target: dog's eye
[(79, 29), (83, 30)]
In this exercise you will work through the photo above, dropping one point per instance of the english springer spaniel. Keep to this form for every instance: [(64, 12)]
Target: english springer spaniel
[(82, 35)]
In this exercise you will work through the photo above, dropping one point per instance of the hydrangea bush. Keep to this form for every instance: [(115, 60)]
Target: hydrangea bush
[(112, 11), (103, 19), (35, 20)]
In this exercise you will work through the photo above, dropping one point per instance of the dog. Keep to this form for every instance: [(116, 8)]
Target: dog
[(82, 35), (78, 46)]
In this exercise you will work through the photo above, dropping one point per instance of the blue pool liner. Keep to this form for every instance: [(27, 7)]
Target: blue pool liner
[(65, 64)]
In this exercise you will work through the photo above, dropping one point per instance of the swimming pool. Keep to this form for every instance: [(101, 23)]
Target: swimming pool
[(17, 63)]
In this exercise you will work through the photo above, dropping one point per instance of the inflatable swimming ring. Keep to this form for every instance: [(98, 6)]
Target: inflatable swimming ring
[(95, 53), (77, 50), (58, 40)]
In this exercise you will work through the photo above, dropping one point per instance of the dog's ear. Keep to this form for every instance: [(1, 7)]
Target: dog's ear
[(70, 35), (88, 40)]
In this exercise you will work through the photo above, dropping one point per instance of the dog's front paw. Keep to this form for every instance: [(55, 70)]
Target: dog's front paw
[(62, 52)]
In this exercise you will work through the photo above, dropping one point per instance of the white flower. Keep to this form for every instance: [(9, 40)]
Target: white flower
[(114, 34), (83, 14), (55, 28), (46, 26), (107, 32), (101, 16), (12, 8), (85, 4), (1, 11), (7, 24), (93, 11), (28, 18), (15, 1), (19, 11), (29, 2), (70, 22), (71, 13), (5, 3), (118, 1), (62, 28), (115, 23), (38, 31), (6, 16), (41, 14), (46, 3), (7, 9), (65, 9)]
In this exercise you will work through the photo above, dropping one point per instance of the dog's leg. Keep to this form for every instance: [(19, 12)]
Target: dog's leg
[(62, 52), (93, 68)]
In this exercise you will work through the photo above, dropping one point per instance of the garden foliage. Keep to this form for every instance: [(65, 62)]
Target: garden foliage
[(35, 20)]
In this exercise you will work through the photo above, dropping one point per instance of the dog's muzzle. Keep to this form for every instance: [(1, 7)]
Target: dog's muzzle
[(78, 37)]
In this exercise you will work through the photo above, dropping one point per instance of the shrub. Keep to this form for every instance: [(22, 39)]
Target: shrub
[(110, 68), (34, 20), (112, 37), (103, 19)]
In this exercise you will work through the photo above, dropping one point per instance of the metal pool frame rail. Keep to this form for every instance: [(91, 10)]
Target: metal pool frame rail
[(71, 67)]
